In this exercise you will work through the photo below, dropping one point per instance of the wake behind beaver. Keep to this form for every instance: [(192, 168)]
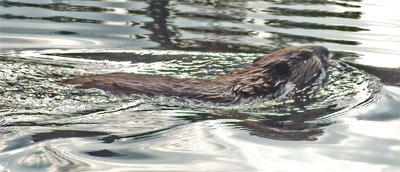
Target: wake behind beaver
[(272, 76)]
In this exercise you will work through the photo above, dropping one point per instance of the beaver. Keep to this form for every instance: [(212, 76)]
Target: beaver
[(271, 75)]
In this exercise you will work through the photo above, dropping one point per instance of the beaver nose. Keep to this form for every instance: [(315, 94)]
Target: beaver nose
[(322, 51), (323, 54)]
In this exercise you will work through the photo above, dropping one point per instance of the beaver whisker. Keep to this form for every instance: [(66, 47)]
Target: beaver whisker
[(278, 83)]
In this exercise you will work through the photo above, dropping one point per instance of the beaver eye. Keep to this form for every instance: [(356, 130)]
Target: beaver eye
[(281, 68), (305, 54)]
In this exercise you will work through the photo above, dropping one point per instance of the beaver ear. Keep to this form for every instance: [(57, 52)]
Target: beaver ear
[(281, 68)]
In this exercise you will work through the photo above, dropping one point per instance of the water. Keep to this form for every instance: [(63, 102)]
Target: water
[(351, 124)]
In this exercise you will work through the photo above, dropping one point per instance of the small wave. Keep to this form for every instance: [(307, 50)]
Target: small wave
[(33, 97)]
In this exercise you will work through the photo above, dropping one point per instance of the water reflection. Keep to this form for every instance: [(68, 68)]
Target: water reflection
[(318, 2), (104, 153), (284, 39), (290, 127), (312, 13), (170, 36), (291, 24), (55, 19), (38, 137), (57, 5), (60, 2), (177, 25), (160, 31)]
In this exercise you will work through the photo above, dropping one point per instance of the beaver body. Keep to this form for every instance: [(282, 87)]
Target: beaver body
[(267, 76)]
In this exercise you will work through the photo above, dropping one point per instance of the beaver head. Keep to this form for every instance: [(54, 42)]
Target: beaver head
[(279, 72)]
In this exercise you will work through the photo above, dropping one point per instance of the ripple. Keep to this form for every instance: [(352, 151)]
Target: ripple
[(44, 126), (313, 13), (297, 116)]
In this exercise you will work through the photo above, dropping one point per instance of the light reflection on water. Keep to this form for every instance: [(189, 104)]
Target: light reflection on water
[(49, 127), (89, 129)]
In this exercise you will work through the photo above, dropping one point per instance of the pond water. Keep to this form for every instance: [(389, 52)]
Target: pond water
[(352, 123)]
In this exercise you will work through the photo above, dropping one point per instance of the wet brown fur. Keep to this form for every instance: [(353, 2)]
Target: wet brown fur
[(265, 76)]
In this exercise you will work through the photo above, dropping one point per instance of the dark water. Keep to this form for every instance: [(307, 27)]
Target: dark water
[(350, 124)]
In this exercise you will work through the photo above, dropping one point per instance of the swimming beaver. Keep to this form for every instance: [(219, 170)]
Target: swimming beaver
[(270, 75)]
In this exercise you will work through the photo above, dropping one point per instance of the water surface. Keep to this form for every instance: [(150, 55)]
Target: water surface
[(350, 124)]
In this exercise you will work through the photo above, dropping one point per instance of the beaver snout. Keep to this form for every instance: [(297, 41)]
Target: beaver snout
[(323, 54)]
